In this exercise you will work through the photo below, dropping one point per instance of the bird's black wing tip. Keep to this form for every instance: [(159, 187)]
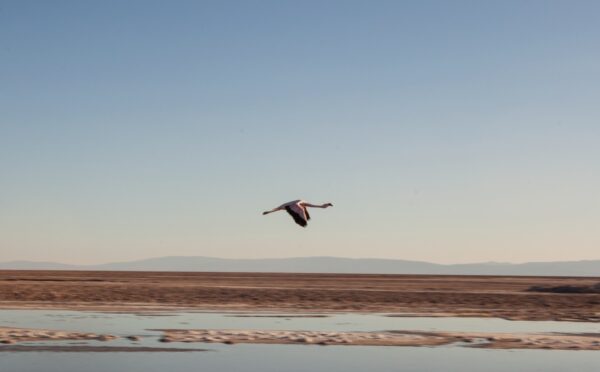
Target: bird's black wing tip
[(298, 219)]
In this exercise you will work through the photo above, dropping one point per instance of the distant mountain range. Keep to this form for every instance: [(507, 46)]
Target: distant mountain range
[(326, 265)]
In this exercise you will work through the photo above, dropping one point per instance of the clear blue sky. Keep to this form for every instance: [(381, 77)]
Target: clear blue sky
[(444, 131)]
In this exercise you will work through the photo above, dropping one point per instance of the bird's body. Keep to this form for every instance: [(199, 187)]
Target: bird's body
[(298, 210)]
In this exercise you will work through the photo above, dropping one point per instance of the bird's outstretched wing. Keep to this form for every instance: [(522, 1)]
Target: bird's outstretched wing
[(297, 214), (306, 213)]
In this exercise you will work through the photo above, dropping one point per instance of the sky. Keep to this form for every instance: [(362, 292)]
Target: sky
[(441, 131)]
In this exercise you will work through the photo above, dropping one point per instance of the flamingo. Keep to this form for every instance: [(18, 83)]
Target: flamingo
[(297, 209)]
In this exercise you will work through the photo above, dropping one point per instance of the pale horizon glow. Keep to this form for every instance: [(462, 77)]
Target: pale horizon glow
[(291, 257), (442, 132)]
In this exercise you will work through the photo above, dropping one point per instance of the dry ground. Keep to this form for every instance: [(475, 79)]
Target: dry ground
[(488, 296)]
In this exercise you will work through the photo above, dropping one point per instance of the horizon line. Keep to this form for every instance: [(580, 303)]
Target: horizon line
[(293, 257)]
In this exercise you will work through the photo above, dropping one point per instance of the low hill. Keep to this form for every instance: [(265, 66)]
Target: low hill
[(326, 265)]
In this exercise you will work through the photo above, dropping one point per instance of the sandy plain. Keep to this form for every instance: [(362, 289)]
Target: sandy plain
[(482, 296), (262, 294)]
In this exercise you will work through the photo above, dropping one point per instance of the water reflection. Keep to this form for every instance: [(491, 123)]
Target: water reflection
[(124, 324), (267, 358), (277, 358)]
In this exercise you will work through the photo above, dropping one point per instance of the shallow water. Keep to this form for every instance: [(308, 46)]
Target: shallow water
[(277, 358), (124, 324), (244, 357)]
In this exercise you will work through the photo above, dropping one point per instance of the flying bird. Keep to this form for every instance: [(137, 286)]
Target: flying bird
[(297, 209)]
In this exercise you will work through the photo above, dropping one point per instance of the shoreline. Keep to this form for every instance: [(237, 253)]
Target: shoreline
[(488, 340), (245, 311), (11, 339), (502, 297)]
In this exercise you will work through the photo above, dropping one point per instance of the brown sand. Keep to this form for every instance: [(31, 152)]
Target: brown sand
[(92, 349), (229, 336), (484, 296), (12, 335), (552, 341)]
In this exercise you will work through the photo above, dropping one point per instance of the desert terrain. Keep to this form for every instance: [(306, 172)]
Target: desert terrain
[(397, 295)]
